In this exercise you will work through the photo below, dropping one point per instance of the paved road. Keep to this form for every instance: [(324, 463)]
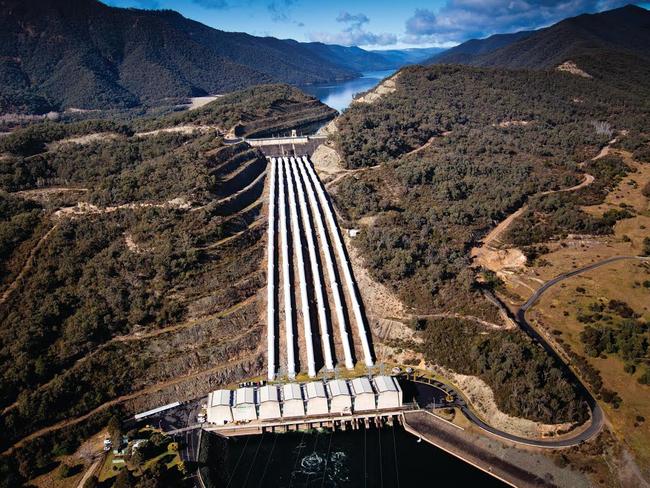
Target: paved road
[(597, 417), (535, 296)]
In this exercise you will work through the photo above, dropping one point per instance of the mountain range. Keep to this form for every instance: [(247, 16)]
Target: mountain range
[(624, 31), (57, 54), (83, 54)]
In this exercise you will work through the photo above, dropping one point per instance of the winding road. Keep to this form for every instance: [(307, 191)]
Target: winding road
[(597, 417)]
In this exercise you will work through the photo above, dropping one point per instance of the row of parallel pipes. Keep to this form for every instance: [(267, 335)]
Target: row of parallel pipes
[(299, 185)]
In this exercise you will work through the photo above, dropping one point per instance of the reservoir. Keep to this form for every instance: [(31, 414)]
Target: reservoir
[(339, 95)]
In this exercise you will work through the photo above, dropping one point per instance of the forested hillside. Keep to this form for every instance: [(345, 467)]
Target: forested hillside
[(467, 51), (620, 32), (260, 111), (453, 151), (84, 54), (131, 269)]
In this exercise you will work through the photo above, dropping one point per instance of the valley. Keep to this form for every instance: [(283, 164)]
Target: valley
[(470, 236)]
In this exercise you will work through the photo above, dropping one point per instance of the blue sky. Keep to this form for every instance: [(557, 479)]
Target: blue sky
[(375, 24)]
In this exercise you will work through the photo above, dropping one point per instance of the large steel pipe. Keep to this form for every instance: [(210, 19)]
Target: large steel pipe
[(300, 263), (345, 265), (329, 263), (315, 271), (286, 279), (270, 277)]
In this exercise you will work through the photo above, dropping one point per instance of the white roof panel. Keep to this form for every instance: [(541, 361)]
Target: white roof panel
[(244, 396), (221, 397), (291, 391), (316, 389), (361, 385), (384, 383), (268, 393), (338, 387)]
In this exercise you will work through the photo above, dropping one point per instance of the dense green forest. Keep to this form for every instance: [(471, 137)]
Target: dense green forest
[(559, 214), (496, 137), (530, 383)]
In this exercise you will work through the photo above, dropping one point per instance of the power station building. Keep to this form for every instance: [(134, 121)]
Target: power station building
[(364, 395), (244, 409), (293, 404), (340, 399), (269, 399), (316, 398), (219, 407), (389, 393), (292, 400)]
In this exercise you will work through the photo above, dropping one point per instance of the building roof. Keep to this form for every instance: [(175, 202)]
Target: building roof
[(316, 389), (384, 384), (291, 391), (361, 386), (338, 387), (221, 398), (268, 393), (244, 396)]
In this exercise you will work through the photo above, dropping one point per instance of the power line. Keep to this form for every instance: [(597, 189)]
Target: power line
[(268, 461), (250, 468), (295, 463), (232, 475), (327, 458), (365, 475), (395, 451), (381, 469)]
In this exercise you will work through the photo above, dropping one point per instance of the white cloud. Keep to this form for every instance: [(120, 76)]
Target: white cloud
[(354, 34), (459, 20)]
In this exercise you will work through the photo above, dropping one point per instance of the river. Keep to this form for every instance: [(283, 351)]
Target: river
[(339, 95)]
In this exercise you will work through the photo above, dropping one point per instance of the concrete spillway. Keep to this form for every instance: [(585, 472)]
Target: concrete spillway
[(345, 265), (300, 264), (315, 270), (270, 276), (329, 262)]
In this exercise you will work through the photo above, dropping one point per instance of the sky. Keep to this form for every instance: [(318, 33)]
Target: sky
[(377, 24)]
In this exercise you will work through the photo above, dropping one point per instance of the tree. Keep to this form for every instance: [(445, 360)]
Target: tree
[(115, 431), (124, 479), (91, 482), (646, 247), (64, 471)]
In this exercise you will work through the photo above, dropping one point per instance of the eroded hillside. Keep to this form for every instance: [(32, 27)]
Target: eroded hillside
[(132, 266)]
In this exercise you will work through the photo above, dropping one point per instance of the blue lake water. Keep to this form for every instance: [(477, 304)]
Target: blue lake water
[(339, 95)]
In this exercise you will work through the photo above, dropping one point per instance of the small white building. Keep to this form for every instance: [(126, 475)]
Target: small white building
[(219, 407), (293, 404), (364, 395), (340, 398), (269, 399), (389, 393), (316, 398), (243, 409)]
